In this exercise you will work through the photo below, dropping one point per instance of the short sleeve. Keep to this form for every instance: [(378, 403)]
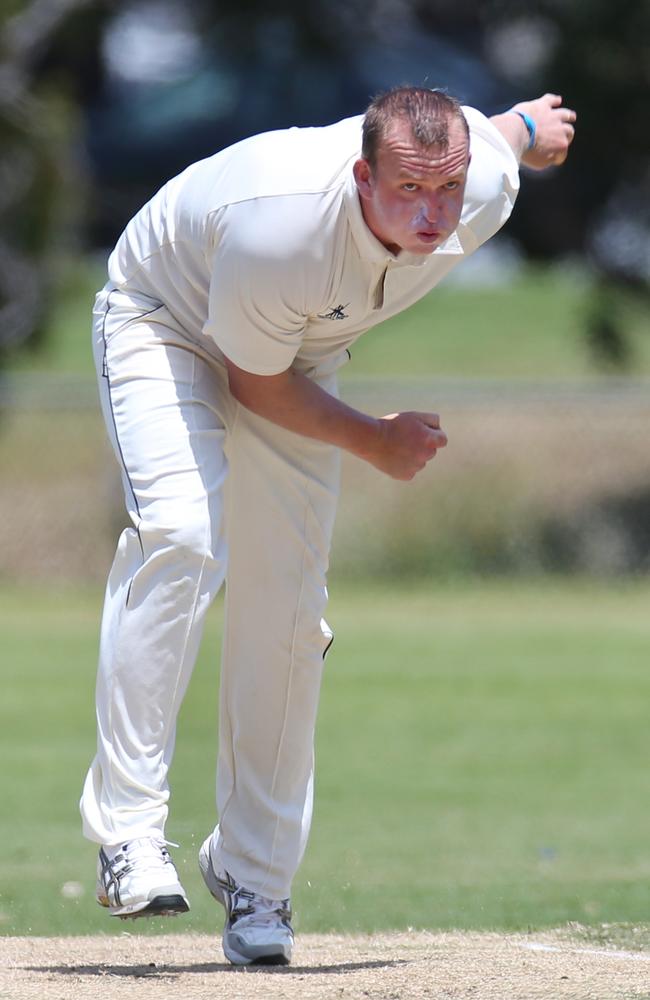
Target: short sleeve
[(492, 179), (262, 278)]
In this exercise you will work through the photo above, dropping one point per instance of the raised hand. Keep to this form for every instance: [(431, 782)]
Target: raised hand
[(554, 131)]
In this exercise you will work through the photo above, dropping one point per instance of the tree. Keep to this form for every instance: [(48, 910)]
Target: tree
[(37, 113)]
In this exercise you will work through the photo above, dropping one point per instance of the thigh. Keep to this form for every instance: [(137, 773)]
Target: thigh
[(166, 407), (282, 495)]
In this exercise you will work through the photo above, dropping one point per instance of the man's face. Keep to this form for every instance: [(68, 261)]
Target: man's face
[(413, 198)]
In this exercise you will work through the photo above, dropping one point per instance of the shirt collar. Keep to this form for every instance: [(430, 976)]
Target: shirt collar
[(371, 249)]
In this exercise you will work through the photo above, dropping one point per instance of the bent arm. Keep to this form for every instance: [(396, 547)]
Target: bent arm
[(554, 131), (399, 445)]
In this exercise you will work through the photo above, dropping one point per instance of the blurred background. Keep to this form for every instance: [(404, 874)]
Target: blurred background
[(487, 693), (537, 355)]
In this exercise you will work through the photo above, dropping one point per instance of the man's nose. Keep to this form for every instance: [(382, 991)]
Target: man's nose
[(433, 209)]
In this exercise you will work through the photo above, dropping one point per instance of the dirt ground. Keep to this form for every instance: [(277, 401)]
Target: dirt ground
[(404, 966)]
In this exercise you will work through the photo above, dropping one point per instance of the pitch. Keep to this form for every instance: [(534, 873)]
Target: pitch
[(406, 966)]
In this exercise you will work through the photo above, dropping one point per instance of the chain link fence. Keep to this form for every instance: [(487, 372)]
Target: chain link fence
[(546, 477)]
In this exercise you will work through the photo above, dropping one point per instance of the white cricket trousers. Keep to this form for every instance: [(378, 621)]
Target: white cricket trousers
[(213, 492)]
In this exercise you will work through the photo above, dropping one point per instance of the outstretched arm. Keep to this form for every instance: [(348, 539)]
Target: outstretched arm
[(554, 131)]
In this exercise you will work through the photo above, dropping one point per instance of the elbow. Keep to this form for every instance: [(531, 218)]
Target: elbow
[(237, 389), (242, 391), (258, 393)]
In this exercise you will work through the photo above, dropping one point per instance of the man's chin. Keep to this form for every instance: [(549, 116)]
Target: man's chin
[(424, 249)]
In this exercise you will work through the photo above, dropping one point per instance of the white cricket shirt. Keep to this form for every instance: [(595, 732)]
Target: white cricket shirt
[(262, 249)]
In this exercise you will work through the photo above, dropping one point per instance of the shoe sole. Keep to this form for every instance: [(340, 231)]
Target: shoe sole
[(207, 871), (276, 958), (159, 906)]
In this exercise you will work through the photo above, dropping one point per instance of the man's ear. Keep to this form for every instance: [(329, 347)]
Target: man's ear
[(363, 178)]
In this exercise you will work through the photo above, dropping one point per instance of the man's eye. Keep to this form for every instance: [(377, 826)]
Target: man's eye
[(409, 186), (451, 185)]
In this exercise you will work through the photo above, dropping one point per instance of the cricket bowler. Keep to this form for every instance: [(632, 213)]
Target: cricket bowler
[(233, 298)]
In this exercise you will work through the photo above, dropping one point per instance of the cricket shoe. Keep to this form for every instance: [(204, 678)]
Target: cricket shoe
[(258, 929), (138, 879)]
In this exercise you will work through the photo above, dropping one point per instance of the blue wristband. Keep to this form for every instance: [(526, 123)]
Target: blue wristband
[(530, 125)]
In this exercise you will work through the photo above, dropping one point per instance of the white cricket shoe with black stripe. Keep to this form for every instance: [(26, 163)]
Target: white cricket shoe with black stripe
[(258, 929), (138, 879)]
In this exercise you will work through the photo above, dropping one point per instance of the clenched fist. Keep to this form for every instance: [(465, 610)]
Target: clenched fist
[(554, 131), (406, 442)]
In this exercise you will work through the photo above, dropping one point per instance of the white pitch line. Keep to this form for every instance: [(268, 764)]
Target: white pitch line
[(538, 946)]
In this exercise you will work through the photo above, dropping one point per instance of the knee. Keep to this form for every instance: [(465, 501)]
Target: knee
[(192, 542)]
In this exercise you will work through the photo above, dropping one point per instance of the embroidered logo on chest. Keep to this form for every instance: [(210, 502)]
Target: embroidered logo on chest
[(337, 312)]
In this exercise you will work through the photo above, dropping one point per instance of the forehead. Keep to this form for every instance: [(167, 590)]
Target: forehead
[(399, 152)]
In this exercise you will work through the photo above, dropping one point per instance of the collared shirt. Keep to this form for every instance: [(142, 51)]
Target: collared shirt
[(261, 252)]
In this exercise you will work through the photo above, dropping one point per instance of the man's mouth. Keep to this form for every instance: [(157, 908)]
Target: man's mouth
[(428, 236)]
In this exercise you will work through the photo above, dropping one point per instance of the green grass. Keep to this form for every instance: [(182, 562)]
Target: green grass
[(531, 327), (65, 344), (481, 761)]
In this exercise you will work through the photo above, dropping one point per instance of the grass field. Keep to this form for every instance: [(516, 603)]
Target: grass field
[(482, 760)]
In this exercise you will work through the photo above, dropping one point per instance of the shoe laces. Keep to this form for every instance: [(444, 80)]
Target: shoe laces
[(152, 850), (248, 908)]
